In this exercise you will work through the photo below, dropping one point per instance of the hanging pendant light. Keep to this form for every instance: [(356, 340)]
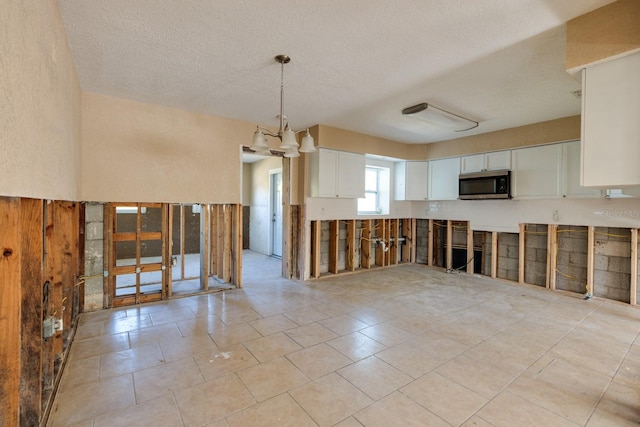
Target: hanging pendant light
[(287, 136)]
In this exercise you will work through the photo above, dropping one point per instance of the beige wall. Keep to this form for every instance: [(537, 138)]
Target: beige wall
[(149, 153), (605, 32), (565, 129), (40, 107)]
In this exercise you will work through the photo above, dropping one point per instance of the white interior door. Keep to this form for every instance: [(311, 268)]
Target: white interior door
[(276, 214)]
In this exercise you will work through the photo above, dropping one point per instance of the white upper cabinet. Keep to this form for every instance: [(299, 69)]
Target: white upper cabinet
[(443, 179), (611, 123), (496, 160), (537, 171), (336, 174), (411, 180), (571, 177)]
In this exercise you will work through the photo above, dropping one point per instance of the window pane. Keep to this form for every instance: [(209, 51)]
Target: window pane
[(371, 179), (368, 204)]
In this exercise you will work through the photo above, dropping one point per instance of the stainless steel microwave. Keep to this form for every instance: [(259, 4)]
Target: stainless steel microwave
[(485, 185)]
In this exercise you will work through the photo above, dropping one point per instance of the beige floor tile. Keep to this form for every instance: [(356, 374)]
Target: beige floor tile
[(477, 421), (330, 399), (271, 325), (620, 406), (99, 345), (279, 411), (154, 334), (343, 324), (375, 377), (414, 324), (89, 330), (349, 422), (80, 371), (437, 346), (134, 359), (92, 399), (630, 368), (272, 346), (101, 316), (445, 398), (127, 324), (387, 334), (214, 364), (185, 347), (318, 360), (356, 346), (310, 334), (510, 410), (212, 400), (410, 359), (238, 316), (173, 315), (398, 410), (162, 411), (159, 380), (272, 378), (306, 315), (231, 335), (372, 316), (201, 325), (562, 388), (486, 379)]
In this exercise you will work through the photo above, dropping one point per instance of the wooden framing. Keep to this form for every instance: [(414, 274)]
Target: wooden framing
[(10, 307), (591, 241), (430, 243), (494, 254), (365, 244), (633, 286), (350, 257), (552, 255), (449, 245), (394, 244), (380, 229), (334, 235), (316, 230), (521, 253), (470, 252), (205, 246), (236, 250)]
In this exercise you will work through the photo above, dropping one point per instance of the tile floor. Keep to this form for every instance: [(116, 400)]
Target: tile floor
[(405, 346)]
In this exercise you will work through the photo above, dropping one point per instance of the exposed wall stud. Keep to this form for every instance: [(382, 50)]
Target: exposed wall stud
[(470, 253), (449, 245), (334, 235), (634, 267), (521, 254), (494, 254)]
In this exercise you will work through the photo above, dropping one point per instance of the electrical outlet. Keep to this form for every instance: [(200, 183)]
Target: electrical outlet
[(48, 327), (556, 216), (58, 325)]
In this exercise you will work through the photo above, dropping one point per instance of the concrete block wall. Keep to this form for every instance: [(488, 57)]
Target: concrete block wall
[(422, 240), (535, 271), (572, 258), (612, 263), (486, 252), (324, 246), (508, 244), (94, 257)]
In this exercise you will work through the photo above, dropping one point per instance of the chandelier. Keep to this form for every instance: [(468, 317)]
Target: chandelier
[(287, 136)]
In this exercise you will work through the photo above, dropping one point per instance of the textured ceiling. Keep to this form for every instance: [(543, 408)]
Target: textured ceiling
[(355, 63)]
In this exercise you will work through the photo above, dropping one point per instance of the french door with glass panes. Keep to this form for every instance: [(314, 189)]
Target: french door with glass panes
[(137, 252)]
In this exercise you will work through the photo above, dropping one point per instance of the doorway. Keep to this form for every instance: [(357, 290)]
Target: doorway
[(276, 213)]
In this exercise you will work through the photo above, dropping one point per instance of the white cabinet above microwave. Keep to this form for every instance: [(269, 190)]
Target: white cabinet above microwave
[(497, 160)]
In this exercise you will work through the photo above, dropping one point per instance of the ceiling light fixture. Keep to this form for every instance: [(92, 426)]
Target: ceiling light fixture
[(287, 136), (437, 116)]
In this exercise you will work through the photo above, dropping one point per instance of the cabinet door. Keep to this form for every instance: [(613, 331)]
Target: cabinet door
[(537, 171), (443, 179), (417, 176), (498, 160), (571, 175), (610, 125), (327, 173), (351, 172), (474, 163)]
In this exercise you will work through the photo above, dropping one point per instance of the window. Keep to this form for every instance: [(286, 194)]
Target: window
[(376, 194)]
